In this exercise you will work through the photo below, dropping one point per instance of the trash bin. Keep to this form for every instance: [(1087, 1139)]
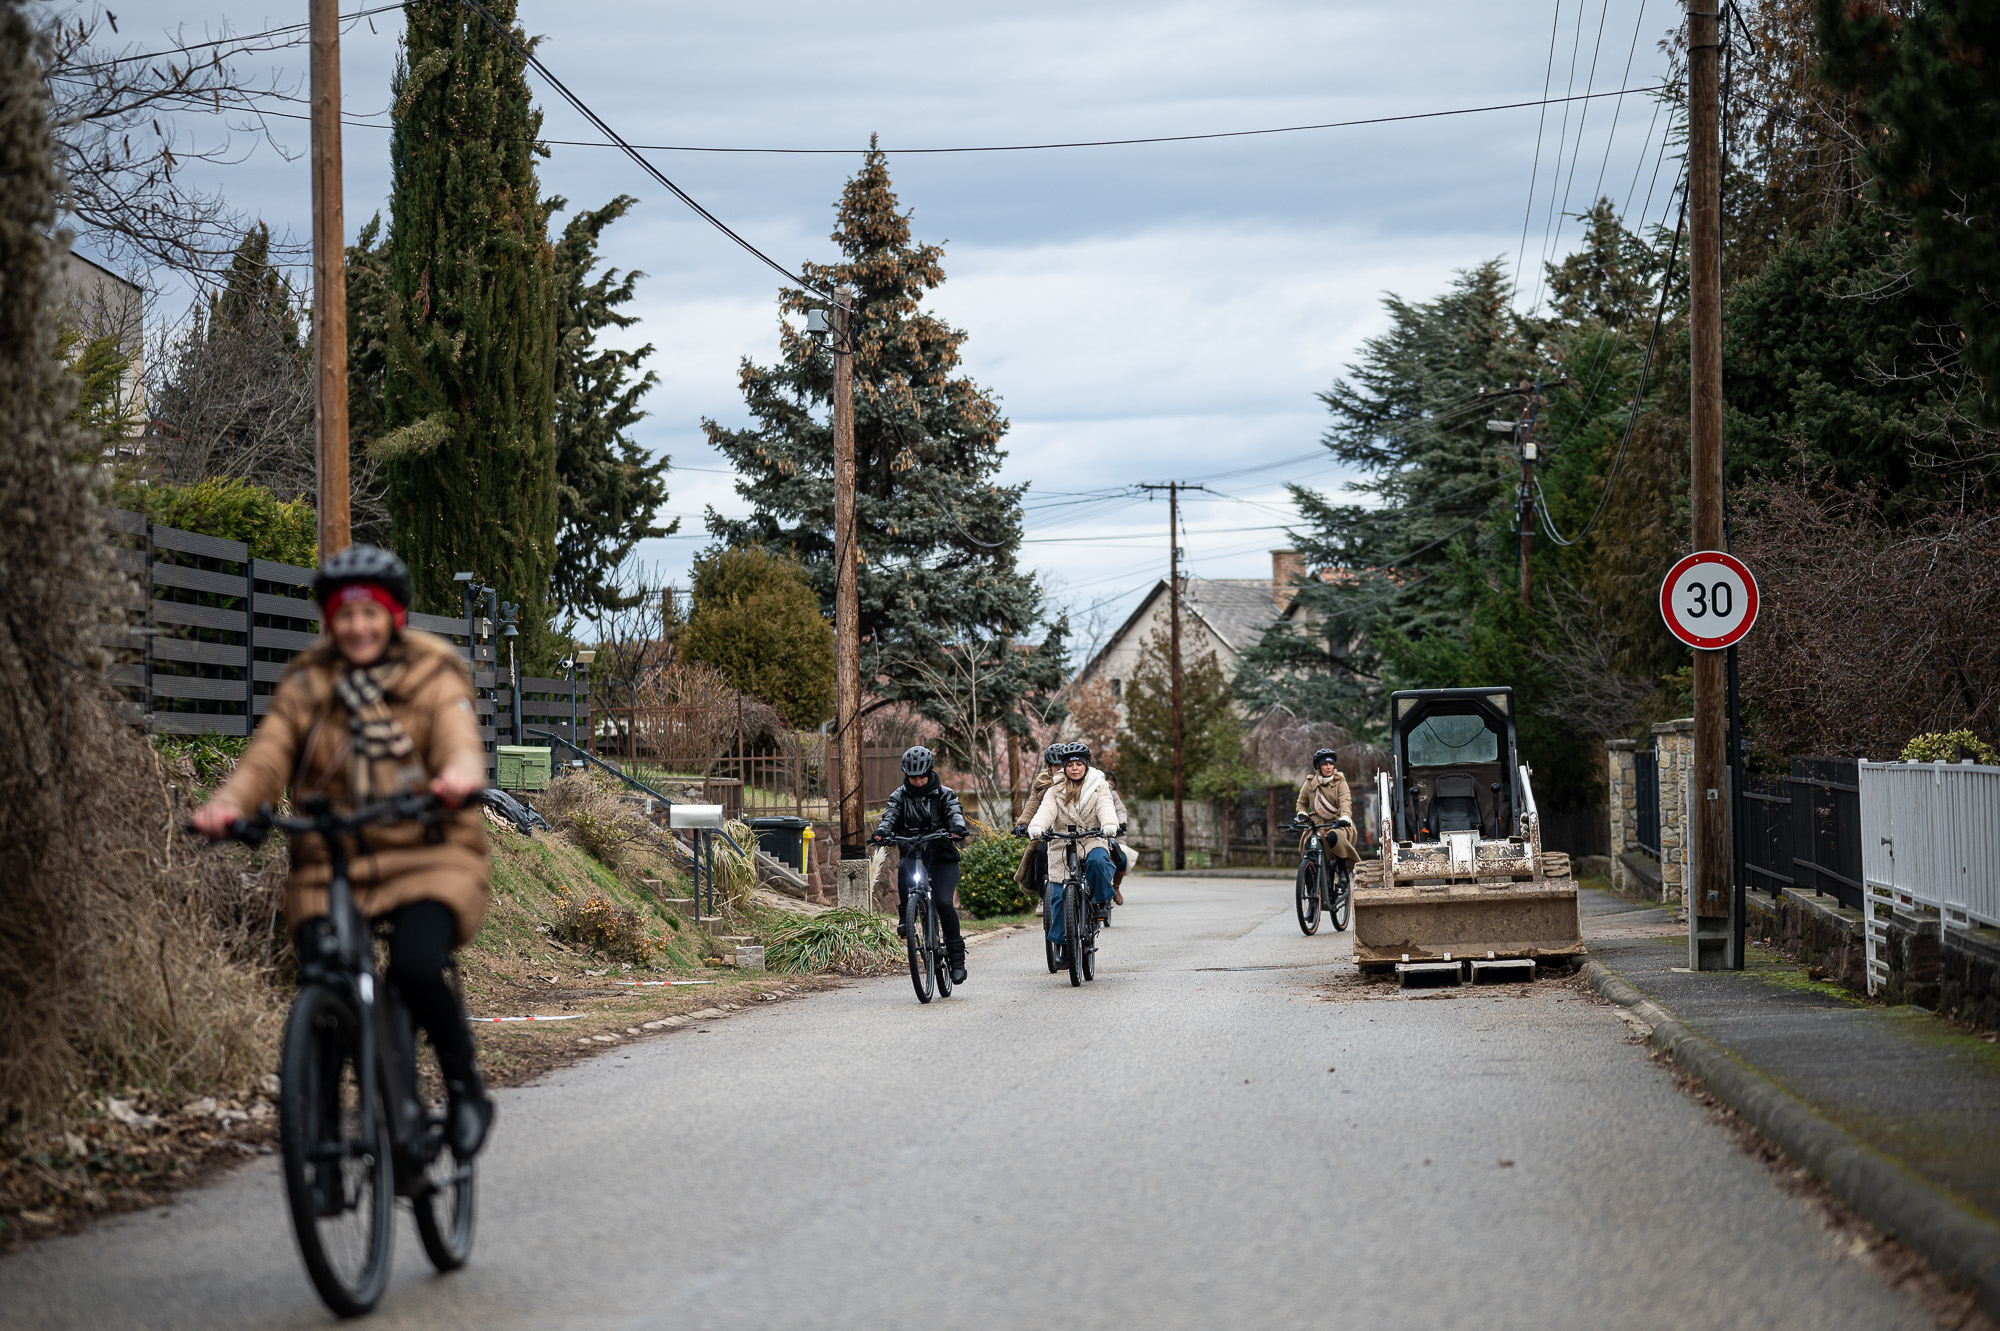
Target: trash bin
[(783, 839)]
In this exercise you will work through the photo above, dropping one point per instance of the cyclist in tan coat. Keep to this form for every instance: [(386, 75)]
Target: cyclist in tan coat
[(1324, 798), (379, 709)]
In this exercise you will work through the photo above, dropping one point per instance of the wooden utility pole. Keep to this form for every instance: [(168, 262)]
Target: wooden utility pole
[(1527, 518), (329, 280), (1709, 895), (1174, 616), (847, 591)]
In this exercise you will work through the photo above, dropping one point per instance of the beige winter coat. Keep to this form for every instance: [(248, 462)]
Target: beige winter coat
[(1325, 798), (1083, 804), (303, 744)]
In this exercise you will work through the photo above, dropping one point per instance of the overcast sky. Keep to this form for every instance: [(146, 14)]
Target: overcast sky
[(1145, 313)]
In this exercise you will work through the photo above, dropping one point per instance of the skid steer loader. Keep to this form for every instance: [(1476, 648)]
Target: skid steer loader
[(1462, 888)]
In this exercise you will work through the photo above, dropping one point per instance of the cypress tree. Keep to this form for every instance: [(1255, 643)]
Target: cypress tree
[(939, 538), (468, 395)]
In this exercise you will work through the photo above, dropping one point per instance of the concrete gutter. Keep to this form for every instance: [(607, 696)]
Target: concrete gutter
[(1964, 1248)]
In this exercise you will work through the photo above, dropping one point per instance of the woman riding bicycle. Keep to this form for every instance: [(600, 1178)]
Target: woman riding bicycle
[(377, 709), (925, 804), (1032, 875), (1080, 801), (1324, 799)]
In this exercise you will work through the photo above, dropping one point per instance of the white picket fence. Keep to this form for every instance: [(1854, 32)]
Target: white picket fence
[(1930, 844)]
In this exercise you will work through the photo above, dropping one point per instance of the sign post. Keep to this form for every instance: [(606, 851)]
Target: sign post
[(1709, 601)]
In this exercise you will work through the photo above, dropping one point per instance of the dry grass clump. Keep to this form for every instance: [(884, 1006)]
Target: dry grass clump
[(849, 942), (593, 920), (587, 808)]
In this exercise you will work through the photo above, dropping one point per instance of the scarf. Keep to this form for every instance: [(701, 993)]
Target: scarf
[(375, 733)]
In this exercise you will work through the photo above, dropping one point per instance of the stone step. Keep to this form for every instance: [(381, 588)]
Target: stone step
[(748, 957), (681, 906)]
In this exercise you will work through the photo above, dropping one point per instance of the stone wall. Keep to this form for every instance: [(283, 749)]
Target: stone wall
[(1673, 742)]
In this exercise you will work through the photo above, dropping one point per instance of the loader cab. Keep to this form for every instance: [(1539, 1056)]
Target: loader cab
[(1455, 762)]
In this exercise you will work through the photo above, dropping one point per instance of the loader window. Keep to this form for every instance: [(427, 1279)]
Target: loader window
[(1450, 741)]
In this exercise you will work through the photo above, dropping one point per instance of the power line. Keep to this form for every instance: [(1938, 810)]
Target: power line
[(1619, 107), (245, 38), (1541, 124), (1043, 147), (583, 109), (1638, 396)]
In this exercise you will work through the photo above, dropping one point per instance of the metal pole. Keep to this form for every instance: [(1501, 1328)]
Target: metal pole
[(847, 592), (329, 281), (1710, 895), (1174, 617)]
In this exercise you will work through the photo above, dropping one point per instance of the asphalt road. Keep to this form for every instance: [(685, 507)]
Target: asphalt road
[(1201, 1138)]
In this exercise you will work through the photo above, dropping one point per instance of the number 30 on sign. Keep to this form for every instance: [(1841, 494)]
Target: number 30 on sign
[(1709, 599)]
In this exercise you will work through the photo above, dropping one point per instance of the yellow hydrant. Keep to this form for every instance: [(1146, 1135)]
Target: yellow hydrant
[(806, 853)]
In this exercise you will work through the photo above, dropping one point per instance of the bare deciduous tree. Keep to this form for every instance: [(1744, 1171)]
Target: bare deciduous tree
[(124, 158)]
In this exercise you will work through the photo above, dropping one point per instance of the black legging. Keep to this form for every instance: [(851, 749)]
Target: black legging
[(944, 893), (420, 939)]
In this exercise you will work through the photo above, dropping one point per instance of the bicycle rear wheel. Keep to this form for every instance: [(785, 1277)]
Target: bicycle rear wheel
[(1307, 897), (1090, 945), (1073, 930), (338, 1171), (918, 944)]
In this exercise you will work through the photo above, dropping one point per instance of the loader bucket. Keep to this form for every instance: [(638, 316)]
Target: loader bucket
[(1402, 922)]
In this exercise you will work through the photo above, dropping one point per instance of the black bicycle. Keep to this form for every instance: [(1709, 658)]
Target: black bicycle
[(1069, 901), (353, 1130), (1321, 886), (923, 933)]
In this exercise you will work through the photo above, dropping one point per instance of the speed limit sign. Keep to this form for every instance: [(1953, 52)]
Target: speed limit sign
[(1709, 599)]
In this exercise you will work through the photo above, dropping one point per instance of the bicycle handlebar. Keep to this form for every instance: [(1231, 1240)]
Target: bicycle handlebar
[(1052, 835), (320, 817), (917, 840)]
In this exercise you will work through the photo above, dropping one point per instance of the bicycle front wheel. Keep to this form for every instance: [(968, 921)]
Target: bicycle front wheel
[(335, 1144), (444, 1205), (918, 943), (1343, 902), (1073, 930), (940, 964), (1307, 898)]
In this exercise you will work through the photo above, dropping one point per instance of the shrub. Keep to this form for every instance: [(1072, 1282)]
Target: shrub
[(595, 921), (235, 510), (586, 808), (986, 885), (852, 942), (1950, 746)]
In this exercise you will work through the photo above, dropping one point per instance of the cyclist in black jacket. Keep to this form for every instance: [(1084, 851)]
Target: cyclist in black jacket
[(925, 804)]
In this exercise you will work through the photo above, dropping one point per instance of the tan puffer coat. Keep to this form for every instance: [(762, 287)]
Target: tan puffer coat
[(303, 744), (1085, 804)]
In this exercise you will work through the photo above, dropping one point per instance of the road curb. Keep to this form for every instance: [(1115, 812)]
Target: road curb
[(1963, 1247)]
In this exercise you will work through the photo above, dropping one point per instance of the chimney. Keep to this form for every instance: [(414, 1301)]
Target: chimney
[(1286, 567)]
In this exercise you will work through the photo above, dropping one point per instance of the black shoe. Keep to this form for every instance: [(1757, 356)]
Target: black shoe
[(957, 970), (902, 931), (468, 1116)]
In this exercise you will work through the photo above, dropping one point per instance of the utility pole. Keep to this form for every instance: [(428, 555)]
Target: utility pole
[(329, 280), (847, 592), (1523, 430), (1174, 614), (1173, 489), (1709, 895)]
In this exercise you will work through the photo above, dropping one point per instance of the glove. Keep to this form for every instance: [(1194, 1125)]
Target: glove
[(1049, 835), (1021, 830), (1120, 831), (877, 839), (1343, 822)]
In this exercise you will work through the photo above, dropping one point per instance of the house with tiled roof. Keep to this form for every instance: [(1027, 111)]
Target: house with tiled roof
[(1223, 615)]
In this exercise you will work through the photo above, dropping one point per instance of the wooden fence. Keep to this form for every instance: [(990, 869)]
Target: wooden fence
[(209, 632)]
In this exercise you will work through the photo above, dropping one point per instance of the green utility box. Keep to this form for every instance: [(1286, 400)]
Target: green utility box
[(522, 766)]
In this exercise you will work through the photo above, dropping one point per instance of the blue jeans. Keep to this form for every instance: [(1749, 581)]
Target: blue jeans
[(1097, 872)]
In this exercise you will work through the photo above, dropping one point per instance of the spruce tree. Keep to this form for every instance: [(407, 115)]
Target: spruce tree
[(468, 397), (939, 537), (607, 487)]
